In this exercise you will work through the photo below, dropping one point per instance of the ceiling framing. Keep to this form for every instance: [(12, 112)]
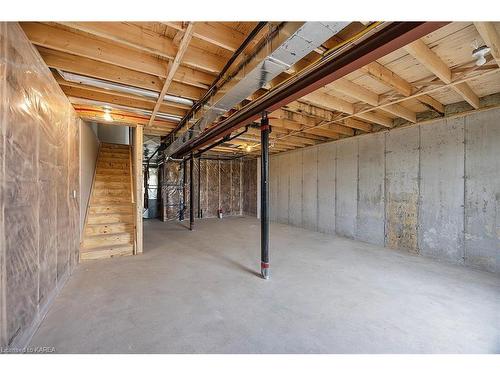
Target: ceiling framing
[(182, 59)]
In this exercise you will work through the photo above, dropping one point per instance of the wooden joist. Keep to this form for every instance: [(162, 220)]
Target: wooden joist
[(137, 38), (191, 86), (139, 103), (216, 34), (394, 81), (490, 37), (104, 51), (322, 99), (172, 69), (421, 52)]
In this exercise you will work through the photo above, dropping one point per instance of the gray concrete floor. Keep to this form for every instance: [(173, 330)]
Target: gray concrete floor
[(198, 292)]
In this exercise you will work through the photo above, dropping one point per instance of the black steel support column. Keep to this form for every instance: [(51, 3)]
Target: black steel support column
[(191, 192), (182, 207), (264, 197)]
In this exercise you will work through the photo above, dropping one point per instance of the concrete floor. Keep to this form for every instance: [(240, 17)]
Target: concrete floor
[(198, 292)]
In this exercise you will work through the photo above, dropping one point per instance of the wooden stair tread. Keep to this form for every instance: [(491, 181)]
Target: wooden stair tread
[(105, 247), (106, 252), (110, 226)]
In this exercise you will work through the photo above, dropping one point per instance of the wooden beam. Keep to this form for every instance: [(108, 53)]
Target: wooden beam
[(340, 129), (119, 100), (76, 44), (66, 41), (214, 33), (375, 118), (356, 124), (189, 86), (138, 38), (138, 187), (431, 102), (355, 91), (400, 85), (119, 117), (400, 111), (322, 99), (490, 37), (388, 77), (420, 51), (188, 34), (366, 96), (466, 91)]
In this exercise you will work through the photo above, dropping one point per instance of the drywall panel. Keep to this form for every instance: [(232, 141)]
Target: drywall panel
[(295, 193), (89, 147), (113, 134), (347, 186), (441, 211), (283, 173), (402, 188), (482, 190), (326, 188), (310, 188), (371, 174)]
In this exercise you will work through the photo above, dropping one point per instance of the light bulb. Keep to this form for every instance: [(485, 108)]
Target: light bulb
[(107, 115)]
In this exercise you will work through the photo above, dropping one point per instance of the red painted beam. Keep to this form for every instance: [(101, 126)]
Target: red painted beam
[(389, 39)]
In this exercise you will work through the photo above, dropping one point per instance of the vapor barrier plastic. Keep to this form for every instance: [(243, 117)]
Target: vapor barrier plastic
[(217, 184), (39, 152), (172, 190)]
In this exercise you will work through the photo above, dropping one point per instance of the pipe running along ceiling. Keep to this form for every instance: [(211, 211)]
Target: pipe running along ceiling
[(288, 44)]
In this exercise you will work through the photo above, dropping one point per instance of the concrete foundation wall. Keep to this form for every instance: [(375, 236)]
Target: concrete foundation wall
[(430, 189)]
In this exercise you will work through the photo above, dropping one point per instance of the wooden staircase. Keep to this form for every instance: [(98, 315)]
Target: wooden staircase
[(109, 226)]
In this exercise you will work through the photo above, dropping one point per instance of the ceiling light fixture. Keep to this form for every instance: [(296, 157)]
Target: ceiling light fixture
[(107, 114), (479, 53)]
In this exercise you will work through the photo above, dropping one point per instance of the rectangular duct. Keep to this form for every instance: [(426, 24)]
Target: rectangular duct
[(294, 42)]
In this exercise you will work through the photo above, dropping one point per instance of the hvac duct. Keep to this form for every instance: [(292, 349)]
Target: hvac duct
[(289, 44), (77, 78)]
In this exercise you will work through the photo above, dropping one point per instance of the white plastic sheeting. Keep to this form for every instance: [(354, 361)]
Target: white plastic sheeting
[(39, 187)]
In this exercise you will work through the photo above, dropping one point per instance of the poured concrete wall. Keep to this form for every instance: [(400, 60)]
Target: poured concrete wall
[(482, 190), (430, 189), (39, 187), (371, 189)]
